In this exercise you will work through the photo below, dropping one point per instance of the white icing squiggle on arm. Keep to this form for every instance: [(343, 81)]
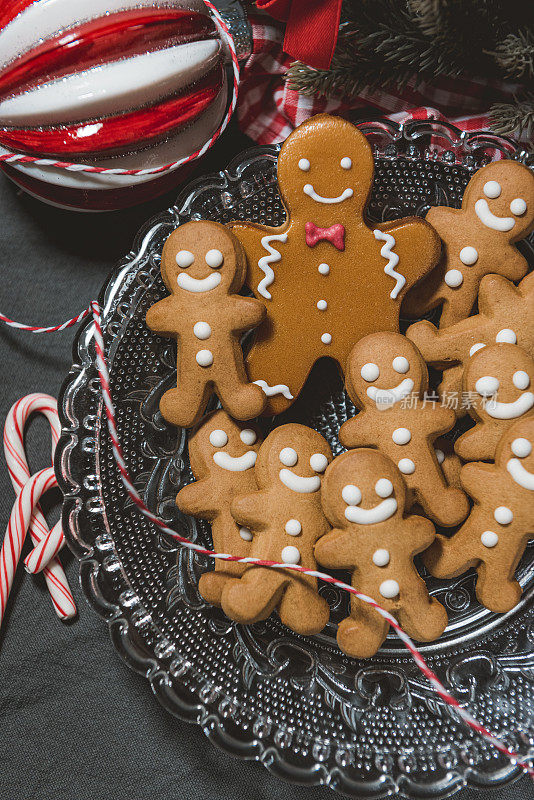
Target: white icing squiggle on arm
[(280, 388), (393, 260), (265, 262)]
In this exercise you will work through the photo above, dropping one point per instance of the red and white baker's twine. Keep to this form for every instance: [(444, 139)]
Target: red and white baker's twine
[(430, 675), (19, 158)]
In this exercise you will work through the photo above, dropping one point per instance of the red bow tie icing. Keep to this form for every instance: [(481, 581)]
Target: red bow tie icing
[(335, 235)]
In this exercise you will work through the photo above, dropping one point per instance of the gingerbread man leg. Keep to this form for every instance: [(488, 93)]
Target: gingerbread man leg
[(212, 584), (183, 405), (242, 400), (254, 596), (448, 505), (361, 634), (495, 588), (422, 618), (301, 595)]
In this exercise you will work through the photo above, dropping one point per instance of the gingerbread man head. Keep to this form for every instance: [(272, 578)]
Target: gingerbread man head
[(293, 457), (324, 184), (384, 369), (515, 453), (502, 197), (362, 487), (189, 267), (500, 380), (223, 445)]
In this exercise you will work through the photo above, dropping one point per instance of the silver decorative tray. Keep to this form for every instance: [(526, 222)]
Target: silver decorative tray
[(298, 705)]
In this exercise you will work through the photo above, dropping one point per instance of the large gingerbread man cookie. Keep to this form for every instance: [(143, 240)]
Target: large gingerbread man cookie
[(286, 519), (327, 276), (493, 538), (505, 314), (497, 211), (387, 379), (499, 383), (222, 454), (364, 499), (203, 266)]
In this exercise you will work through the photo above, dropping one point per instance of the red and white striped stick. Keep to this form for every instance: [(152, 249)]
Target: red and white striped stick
[(19, 472)]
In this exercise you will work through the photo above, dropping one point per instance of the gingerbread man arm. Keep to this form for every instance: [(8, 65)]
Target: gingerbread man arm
[(477, 477), (436, 420), (336, 549), (356, 432), (251, 510), (246, 313), (199, 499), (417, 246), (159, 316), (513, 265), (495, 291), (476, 443), (420, 532)]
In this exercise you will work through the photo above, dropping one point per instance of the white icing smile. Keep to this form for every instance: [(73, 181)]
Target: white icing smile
[(520, 475), (298, 484), (237, 464), (370, 516), (310, 191), (488, 219), (498, 410), (198, 285), (388, 397)]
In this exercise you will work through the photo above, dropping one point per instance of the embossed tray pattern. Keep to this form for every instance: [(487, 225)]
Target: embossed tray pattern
[(298, 705)]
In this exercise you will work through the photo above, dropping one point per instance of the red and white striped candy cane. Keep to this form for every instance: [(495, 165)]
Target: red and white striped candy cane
[(28, 496)]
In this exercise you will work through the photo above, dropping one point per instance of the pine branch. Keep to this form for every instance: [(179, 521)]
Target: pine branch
[(515, 55), (516, 119)]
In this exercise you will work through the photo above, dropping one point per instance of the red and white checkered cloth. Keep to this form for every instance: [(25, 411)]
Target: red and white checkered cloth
[(268, 110)]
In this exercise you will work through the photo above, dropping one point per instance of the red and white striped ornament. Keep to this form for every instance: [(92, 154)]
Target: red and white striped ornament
[(124, 85)]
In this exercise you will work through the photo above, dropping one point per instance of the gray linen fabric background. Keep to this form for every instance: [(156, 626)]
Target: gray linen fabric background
[(75, 723)]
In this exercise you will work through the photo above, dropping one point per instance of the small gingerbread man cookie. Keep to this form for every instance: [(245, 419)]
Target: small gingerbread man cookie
[(497, 211), (364, 497), (327, 276), (286, 519), (203, 266), (505, 314), (388, 379), (499, 383), (222, 454), (493, 538)]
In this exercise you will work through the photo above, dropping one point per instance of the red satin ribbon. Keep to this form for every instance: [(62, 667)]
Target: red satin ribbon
[(312, 28), (335, 235)]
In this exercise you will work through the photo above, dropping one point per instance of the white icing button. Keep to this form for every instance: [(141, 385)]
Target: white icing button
[(384, 487), (218, 438), (324, 269), (520, 379), (453, 278), (346, 162), (476, 347), (487, 386), (381, 557), (351, 495), (318, 462), (245, 534), (204, 358), (322, 305), (400, 364), (248, 436), (370, 372), (492, 189), (521, 447), (290, 555), (184, 258), (304, 164), (489, 539), (389, 589), (326, 338), (468, 256), (202, 330), (406, 466), (440, 455), (288, 457), (518, 206), (293, 527), (503, 515), (506, 335), (401, 436), (214, 259)]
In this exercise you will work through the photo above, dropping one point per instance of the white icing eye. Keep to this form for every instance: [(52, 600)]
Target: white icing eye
[(370, 372), (318, 462), (288, 457), (184, 258), (487, 386), (468, 256), (351, 495), (383, 488), (521, 447), (476, 347), (214, 259), (520, 379), (440, 455), (506, 335), (218, 438), (400, 364), (245, 534), (304, 164), (248, 436), (503, 515), (293, 527), (346, 162), (518, 206), (492, 189)]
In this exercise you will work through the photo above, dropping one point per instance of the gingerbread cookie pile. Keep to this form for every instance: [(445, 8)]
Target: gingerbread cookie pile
[(327, 283)]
